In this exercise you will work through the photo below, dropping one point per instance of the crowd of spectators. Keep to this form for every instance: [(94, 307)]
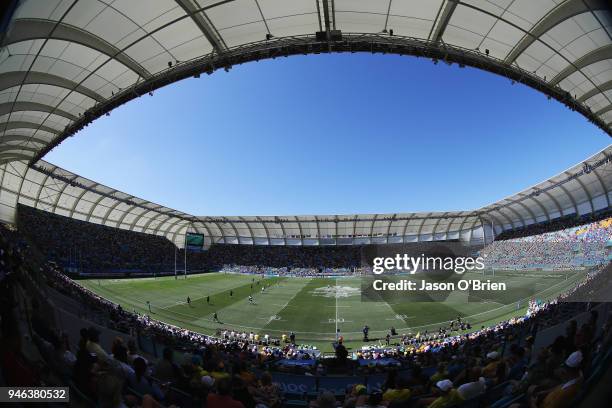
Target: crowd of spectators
[(221, 371), (584, 245), (90, 248), (283, 260), (218, 372), (466, 365), (84, 246), (297, 272), (445, 349)]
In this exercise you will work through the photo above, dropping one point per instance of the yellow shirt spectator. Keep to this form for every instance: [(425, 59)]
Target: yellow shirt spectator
[(450, 399)]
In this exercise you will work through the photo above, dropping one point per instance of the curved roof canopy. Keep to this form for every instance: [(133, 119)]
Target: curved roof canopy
[(64, 63), (582, 189)]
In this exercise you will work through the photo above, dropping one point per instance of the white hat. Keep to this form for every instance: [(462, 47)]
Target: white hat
[(208, 380), (444, 385), (493, 355), (574, 359)]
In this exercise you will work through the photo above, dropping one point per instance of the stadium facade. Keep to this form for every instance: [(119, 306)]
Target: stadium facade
[(64, 63)]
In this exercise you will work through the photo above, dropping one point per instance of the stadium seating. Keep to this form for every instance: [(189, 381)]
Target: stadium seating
[(577, 246), (87, 248), (191, 366)]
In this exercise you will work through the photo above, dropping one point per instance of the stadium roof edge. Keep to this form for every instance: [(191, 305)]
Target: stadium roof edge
[(95, 56)]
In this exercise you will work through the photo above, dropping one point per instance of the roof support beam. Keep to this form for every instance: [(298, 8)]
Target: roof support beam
[(168, 230), (249, 228), (27, 125), (445, 16), (95, 205), (494, 220), (13, 157), (597, 55), (136, 220), (299, 224), (498, 210), (178, 232), (421, 229), (604, 110), (531, 214), (282, 231), (204, 24), (79, 198), (405, 229), (606, 86), (22, 139), (554, 200), (263, 223), (519, 216), (9, 107), (433, 232), (210, 236), (461, 225), (326, 15), (16, 78), (586, 191), (35, 29), (448, 227), (220, 231), (371, 227), (484, 231), (155, 218), (476, 220), (61, 192), (539, 204), (9, 148), (388, 227), (41, 186), (263, 18), (233, 229), (603, 186), (571, 197), (556, 16)]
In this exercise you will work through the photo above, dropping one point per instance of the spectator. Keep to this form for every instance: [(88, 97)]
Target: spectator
[(142, 383), (222, 398), (563, 394), (93, 344), (166, 370), (446, 395)]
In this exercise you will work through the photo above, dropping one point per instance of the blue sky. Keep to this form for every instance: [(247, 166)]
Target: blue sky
[(332, 134)]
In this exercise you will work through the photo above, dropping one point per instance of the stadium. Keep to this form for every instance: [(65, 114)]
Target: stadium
[(120, 301)]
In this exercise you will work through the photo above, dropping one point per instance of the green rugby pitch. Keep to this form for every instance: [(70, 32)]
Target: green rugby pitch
[(314, 308)]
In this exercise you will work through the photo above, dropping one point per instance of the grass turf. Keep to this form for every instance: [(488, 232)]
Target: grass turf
[(314, 308)]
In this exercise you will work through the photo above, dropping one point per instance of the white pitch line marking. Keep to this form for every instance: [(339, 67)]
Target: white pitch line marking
[(336, 296), (282, 307)]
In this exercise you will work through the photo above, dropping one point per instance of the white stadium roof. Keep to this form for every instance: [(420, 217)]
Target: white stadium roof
[(582, 189), (64, 63)]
